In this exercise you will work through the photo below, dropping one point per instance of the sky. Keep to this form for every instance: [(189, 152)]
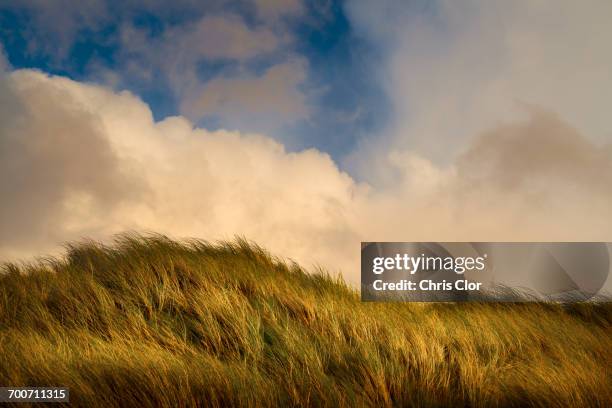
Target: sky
[(306, 126)]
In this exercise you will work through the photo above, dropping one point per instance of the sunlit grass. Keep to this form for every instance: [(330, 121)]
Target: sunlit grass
[(152, 322)]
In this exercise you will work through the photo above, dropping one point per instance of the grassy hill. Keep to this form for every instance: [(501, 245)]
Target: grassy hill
[(152, 322)]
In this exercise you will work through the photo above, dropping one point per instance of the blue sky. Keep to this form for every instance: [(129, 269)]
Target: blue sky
[(343, 101)]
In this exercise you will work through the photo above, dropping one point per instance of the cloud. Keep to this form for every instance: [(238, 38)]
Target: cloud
[(179, 49), (173, 51), (4, 63), (557, 155), (274, 9), (56, 23), (500, 132), (54, 156), (537, 179), (274, 93), (221, 36), (455, 69), (238, 97), (83, 160)]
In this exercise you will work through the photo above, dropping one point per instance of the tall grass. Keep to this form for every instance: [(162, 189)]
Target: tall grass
[(153, 322)]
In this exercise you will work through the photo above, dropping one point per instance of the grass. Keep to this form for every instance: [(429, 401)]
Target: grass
[(152, 322)]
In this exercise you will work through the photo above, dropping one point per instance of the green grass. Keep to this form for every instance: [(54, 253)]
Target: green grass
[(152, 322)]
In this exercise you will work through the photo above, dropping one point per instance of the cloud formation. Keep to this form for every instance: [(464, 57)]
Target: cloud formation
[(274, 9), (219, 36), (82, 160), (500, 132), (455, 69), (235, 96), (4, 64), (173, 49), (56, 161), (55, 23), (274, 93)]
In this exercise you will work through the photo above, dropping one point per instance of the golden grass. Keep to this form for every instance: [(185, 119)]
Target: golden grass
[(152, 322)]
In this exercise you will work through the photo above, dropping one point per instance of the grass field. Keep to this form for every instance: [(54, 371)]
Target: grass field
[(152, 322)]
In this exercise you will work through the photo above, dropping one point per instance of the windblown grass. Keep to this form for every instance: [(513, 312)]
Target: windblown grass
[(152, 322)]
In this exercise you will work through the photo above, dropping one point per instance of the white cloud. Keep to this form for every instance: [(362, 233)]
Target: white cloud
[(81, 160), (86, 161), (455, 69)]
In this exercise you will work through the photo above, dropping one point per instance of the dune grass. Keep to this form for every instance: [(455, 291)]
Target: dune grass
[(152, 322)]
